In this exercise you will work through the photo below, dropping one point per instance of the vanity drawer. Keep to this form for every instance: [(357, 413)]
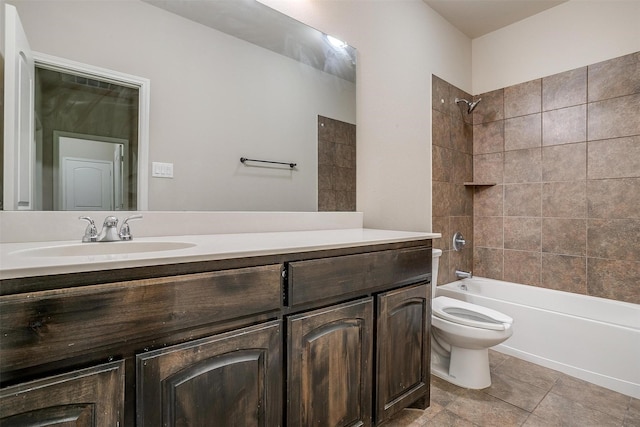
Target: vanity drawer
[(350, 275), (47, 326)]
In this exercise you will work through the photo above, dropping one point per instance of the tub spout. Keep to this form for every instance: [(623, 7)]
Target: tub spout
[(463, 274)]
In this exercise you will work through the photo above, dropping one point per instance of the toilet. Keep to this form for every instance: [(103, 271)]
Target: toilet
[(461, 334)]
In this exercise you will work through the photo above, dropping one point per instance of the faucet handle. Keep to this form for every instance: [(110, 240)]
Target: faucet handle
[(91, 232), (125, 231)]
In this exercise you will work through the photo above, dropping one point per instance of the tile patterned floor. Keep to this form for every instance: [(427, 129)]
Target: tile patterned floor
[(523, 394)]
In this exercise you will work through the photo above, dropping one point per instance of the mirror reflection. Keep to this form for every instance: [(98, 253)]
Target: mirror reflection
[(214, 98), (86, 143)]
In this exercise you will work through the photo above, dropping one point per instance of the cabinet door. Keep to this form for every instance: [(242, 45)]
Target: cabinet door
[(227, 380), (87, 397), (329, 366), (403, 349)]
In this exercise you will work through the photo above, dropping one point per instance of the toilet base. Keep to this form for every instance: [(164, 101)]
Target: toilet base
[(464, 367)]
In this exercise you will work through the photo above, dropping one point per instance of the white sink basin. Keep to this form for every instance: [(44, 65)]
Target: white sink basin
[(103, 248)]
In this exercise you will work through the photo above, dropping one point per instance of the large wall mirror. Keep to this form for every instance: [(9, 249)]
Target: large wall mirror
[(227, 79)]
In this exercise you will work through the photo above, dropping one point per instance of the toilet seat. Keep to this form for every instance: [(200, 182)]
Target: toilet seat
[(468, 314)]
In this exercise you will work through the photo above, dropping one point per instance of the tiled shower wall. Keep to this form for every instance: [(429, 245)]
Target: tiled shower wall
[(564, 152), (452, 165), (336, 165)]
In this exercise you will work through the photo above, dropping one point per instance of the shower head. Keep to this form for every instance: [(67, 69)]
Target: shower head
[(470, 105)]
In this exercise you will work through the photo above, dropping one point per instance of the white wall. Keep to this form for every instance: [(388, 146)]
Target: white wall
[(400, 44), (229, 113), (568, 36)]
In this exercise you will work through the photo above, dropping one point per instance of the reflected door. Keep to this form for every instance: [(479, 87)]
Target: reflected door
[(19, 146), (87, 184)]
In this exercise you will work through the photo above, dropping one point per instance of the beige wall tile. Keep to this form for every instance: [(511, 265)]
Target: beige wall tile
[(488, 137), (442, 194), (326, 152), (491, 107), (564, 89), (582, 191), (345, 156), (461, 135), (564, 199), (564, 126), (325, 177), (488, 231), (524, 98), (564, 273), (614, 198), (460, 260), (345, 133), (614, 158), (326, 129), (488, 262), (523, 165), (344, 179), (488, 168), (564, 162), (488, 201), (614, 279), (614, 239), (336, 165), (462, 200), (523, 132), (564, 236), (615, 77), (613, 118), (522, 233), (326, 200), (441, 158), (522, 267), (523, 199), (462, 167), (345, 201), (440, 224), (441, 129)]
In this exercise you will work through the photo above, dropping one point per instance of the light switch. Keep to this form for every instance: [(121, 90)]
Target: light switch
[(162, 170)]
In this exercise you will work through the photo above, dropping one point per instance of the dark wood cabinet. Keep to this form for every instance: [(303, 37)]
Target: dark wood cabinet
[(337, 337), (329, 366), (334, 278), (403, 349), (232, 379), (92, 397)]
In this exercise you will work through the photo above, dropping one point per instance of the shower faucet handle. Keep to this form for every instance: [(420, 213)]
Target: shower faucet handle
[(458, 241)]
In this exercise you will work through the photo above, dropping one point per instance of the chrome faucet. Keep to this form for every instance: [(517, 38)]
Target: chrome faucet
[(109, 232), (463, 274)]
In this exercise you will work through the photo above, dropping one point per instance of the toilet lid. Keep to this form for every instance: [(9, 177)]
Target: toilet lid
[(469, 314)]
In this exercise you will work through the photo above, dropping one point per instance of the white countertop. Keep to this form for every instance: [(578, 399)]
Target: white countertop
[(16, 261)]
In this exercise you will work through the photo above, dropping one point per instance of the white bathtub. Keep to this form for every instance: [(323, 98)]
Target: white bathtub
[(595, 339)]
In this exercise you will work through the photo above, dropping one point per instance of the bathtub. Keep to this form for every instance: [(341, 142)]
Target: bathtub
[(595, 339)]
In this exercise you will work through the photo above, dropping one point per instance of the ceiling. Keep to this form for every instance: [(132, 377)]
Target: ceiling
[(476, 18)]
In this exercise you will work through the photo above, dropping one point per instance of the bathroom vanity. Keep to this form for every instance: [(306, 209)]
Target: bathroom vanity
[(307, 331)]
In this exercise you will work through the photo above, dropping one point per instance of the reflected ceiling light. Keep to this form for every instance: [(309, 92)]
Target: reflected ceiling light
[(336, 43)]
